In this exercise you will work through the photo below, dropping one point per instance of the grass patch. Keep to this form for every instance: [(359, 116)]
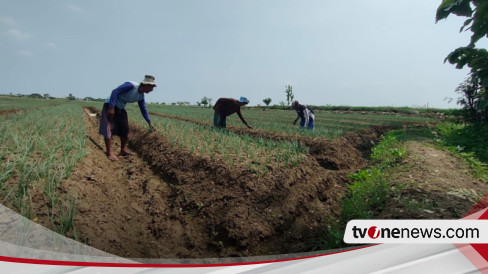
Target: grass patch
[(387, 153), (367, 194), (471, 138), (468, 141), (368, 191)]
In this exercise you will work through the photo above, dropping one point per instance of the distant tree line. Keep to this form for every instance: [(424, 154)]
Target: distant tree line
[(47, 96)]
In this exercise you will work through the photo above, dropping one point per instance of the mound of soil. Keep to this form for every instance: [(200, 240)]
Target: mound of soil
[(165, 202)]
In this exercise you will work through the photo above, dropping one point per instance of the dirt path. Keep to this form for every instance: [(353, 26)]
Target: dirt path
[(432, 184), (117, 199)]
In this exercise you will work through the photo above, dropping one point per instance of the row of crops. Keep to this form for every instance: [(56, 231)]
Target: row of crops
[(190, 128), (259, 155), (41, 145), (327, 124), (38, 149)]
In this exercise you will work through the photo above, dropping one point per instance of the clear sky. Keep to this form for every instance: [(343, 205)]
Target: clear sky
[(356, 53)]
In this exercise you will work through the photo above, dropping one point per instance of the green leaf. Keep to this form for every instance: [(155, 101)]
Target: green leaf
[(457, 7), (466, 23), (483, 104)]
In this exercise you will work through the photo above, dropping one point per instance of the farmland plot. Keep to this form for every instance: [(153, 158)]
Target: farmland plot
[(38, 150), (12, 105), (191, 191), (328, 124)]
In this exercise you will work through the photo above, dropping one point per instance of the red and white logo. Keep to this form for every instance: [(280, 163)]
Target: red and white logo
[(373, 232)]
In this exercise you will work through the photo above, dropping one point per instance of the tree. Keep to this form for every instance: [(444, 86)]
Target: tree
[(36, 95), (289, 94), (476, 21), (267, 101), (205, 101), (471, 98), (181, 103), (71, 97), (476, 59)]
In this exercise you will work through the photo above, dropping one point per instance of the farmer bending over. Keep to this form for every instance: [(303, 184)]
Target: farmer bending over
[(114, 120), (227, 106), (306, 115)]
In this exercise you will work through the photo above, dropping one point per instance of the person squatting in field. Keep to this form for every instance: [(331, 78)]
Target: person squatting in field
[(227, 106), (306, 115), (114, 119)]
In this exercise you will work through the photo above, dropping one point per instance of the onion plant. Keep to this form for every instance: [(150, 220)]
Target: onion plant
[(39, 149), (259, 155)]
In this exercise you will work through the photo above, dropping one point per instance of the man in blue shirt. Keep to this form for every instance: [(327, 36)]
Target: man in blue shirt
[(114, 120)]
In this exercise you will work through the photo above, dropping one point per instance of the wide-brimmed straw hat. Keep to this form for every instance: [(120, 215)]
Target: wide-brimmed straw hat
[(148, 80)]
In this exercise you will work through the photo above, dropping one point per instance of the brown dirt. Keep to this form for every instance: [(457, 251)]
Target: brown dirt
[(165, 202), (432, 184), (10, 111)]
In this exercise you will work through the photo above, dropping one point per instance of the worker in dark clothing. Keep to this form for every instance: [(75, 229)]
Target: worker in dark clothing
[(227, 106), (305, 114)]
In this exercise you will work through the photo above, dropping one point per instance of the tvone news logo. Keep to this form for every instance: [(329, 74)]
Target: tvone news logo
[(416, 231), (373, 232)]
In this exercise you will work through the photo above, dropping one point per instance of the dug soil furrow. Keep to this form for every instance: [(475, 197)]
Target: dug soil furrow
[(245, 214), (165, 202), (122, 203)]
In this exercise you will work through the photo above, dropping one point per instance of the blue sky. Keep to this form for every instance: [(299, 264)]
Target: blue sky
[(356, 53)]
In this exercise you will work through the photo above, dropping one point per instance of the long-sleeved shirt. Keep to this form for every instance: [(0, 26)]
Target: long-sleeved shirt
[(305, 114), (227, 106), (128, 92)]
